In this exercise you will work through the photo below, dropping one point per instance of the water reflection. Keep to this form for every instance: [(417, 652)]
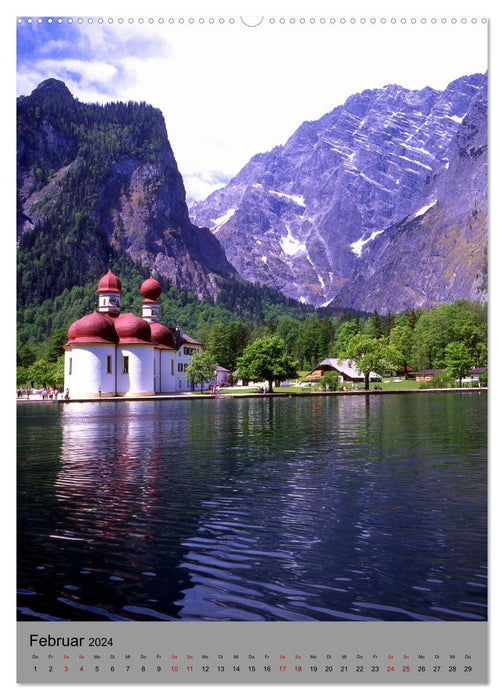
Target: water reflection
[(328, 508)]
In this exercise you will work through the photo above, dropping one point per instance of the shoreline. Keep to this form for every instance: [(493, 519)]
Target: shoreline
[(251, 395)]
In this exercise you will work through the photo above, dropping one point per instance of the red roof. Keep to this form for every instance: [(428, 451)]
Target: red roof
[(162, 335), (93, 328), (132, 329), (109, 283), (151, 289)]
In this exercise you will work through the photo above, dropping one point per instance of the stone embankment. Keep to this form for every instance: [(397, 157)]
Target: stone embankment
[(36, 398)]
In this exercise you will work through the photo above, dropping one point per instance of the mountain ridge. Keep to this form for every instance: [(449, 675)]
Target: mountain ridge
[(307, 217)]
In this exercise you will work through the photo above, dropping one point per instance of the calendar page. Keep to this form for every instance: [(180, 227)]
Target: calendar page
[(252, 357)]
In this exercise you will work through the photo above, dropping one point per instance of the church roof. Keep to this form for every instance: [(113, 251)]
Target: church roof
[(110, 326), (162, 336), (109, 283), (150, 289), (93, 328), (132, 329)]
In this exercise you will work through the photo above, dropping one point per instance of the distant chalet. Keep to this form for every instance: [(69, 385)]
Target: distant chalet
[(346, 369), (110, 353)]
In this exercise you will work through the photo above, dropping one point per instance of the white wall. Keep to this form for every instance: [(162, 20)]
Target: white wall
[(89, 371), (169, 380), (139, 381)]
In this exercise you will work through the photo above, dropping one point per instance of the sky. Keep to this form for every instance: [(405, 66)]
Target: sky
[(229, 89)]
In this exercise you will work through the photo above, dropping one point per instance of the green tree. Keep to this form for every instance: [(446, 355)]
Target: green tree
[(344, 333), (388, 324), (226, 342), (411, 316), (236, 337), (22, 378), (289, 330), (331, 380), (310, 342), (431, 338), (266, 359), (317, 336), (462, 321), (25, 355), (55, 345), (41, 373), (217, 344), (372, 355), (57, 374), (401, 338), (325, 338), (201, 369), (458, 361), (374, 326)]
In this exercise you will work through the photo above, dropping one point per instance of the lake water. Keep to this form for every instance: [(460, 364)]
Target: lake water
[(310, 508)]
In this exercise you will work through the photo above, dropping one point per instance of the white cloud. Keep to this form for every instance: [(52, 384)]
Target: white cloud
[(228, 91), (199, 186), (91, 74)]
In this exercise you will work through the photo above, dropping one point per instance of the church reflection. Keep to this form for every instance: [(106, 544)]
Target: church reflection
[(128, 497)]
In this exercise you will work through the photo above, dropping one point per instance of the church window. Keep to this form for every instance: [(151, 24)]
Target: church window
[(109, 364), (125, 368)]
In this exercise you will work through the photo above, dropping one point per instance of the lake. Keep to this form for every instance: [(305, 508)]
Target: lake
[(279, 509)]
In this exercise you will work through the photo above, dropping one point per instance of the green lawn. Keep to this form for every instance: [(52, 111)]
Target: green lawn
[(393, 384), (315, 388)]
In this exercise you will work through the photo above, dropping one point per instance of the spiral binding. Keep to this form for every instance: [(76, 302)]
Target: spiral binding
[(254, 21)]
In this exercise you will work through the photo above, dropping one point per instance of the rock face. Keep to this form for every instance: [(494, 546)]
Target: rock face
[(380, 204), (100, 181)]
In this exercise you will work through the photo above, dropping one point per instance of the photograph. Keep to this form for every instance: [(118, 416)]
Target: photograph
[(252, 323)]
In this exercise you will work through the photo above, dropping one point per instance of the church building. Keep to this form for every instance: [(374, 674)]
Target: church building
[(110, 353)]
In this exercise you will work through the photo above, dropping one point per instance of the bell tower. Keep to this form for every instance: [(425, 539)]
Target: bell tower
[(109, 294), (150, 290)]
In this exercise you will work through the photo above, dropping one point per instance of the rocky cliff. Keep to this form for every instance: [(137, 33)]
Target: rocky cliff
[(97, 183), (380, 204)]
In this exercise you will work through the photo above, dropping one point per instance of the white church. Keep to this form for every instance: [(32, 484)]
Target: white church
[(110, 353)]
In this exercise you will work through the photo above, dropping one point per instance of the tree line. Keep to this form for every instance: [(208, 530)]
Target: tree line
[(444, 337), (452, 337), (419, 336)]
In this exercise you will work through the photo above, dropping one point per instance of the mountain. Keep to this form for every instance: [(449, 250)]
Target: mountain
[(380, 204), (98, 184)]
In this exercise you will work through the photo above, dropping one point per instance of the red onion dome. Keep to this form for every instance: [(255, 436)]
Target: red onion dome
[(162, 335), (132, 329), (93, 328), (150, 289), (109, 283)]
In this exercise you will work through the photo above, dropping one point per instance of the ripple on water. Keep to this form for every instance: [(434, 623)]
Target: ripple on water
[(289, 510)]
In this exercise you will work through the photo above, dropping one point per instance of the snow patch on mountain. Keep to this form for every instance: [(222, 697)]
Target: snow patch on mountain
[(290, 245), (221, 220), (425, 209), (357, 246), (298, 199)]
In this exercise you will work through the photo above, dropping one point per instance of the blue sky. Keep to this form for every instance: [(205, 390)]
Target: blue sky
[(89, 59), (228, 91)]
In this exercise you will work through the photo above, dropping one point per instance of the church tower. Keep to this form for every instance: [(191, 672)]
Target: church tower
[(150, 290), (109, 294)]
